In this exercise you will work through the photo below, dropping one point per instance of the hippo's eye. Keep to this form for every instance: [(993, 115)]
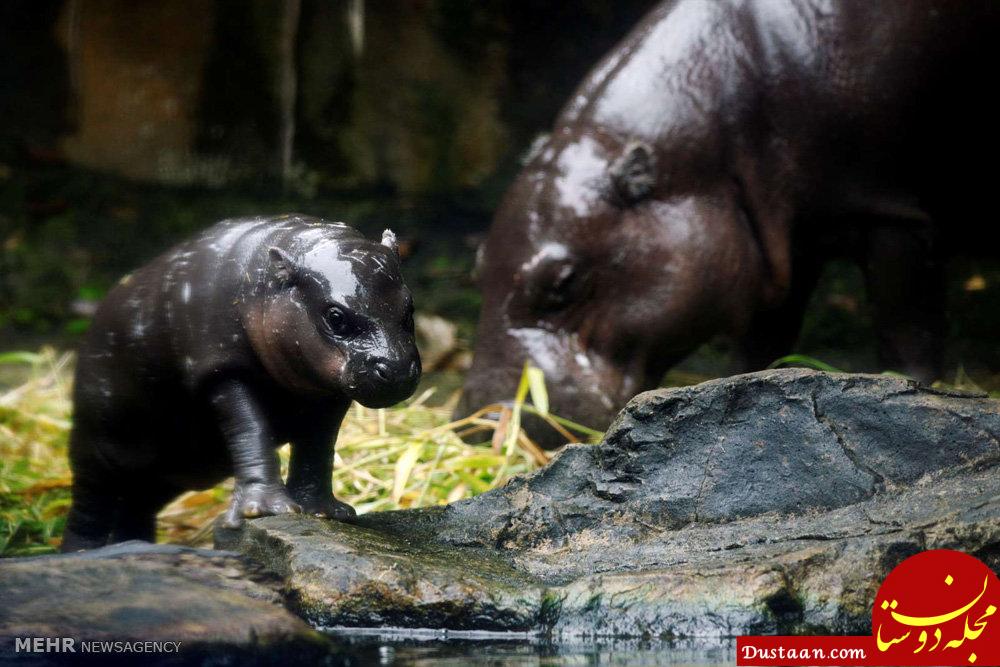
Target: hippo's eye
[(558, 292), (564, 276), (339, 323)]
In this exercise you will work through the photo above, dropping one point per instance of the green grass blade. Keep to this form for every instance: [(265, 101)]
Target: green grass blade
[(804, 360)]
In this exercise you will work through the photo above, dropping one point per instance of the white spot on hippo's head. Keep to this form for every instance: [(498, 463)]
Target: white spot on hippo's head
[(186, 292), (324, 258), (582, 172), (312, 236)]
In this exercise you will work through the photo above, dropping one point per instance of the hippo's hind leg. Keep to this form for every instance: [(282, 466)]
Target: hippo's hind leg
[(137, 510), (95, 497), (92, 515), (105, 508), (905, 278), (310, 471)]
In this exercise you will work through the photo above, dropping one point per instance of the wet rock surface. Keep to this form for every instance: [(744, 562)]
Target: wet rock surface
[(769, 502), (221, 608)]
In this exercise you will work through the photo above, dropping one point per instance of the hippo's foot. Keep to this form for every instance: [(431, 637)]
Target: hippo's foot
[(327, 507), (256, 499)]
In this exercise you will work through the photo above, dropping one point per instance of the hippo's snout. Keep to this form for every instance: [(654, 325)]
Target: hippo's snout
[(390, 373), (382, 382), (583, 385)]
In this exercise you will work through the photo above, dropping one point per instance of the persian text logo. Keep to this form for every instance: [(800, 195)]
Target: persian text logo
[(940, 602), (935, 608)]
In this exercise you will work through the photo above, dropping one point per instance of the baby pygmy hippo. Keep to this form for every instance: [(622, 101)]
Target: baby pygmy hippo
[(257, 332)]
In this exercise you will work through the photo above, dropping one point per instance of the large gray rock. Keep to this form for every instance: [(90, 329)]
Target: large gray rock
[(786, 442), (769, 502), (220, 608)]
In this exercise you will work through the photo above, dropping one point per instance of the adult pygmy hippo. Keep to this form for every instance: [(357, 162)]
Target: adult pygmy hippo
[(704, 170), (257, 332)]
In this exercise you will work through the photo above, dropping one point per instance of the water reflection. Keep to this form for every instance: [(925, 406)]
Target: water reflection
[(412, 648)]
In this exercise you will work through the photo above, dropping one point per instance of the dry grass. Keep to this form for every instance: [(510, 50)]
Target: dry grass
[(34, 473), (411, 455)]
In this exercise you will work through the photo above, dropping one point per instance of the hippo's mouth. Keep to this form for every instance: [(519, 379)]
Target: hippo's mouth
[(373, 393), (582, 386)]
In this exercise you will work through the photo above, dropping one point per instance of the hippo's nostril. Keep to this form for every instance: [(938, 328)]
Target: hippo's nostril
[(381, 370)]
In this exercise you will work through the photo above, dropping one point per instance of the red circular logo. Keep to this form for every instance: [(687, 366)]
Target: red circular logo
[(939, 608)]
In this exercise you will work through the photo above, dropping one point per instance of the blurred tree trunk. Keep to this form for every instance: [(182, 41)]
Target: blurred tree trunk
[(356, 24), (287, 84), (133, 77), (73, 59)]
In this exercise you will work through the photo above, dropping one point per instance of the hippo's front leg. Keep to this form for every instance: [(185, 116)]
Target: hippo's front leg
[(905, 276), (310, 471), (248, 436)]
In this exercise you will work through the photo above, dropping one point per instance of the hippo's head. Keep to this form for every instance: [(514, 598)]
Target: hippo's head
[(606, 264), (336, 317)]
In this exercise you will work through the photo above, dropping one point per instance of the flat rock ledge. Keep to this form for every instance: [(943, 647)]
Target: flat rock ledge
[(221, 608), (773, 502)]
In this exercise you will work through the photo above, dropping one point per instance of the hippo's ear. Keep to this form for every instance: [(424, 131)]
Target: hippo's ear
[(389, 241), (634, 173), (283, 267)]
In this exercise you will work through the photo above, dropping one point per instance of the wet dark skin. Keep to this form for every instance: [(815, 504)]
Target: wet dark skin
[(199, 365), (704, 171)]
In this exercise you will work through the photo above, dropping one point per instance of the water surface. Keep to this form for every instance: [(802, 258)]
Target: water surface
[(411, 648)]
